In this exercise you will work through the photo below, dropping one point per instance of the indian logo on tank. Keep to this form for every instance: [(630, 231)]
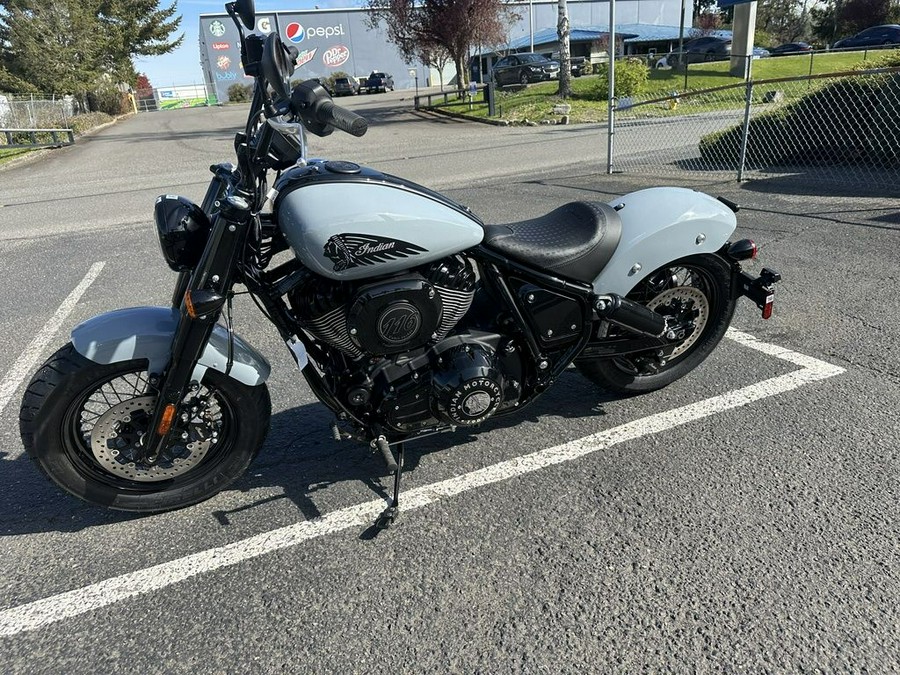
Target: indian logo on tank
[(354, 250), (335, 56)]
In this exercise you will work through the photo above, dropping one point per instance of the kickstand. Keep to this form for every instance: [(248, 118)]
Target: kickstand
[(389, 515)]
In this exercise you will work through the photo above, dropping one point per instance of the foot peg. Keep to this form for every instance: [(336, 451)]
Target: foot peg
[(382, 444)]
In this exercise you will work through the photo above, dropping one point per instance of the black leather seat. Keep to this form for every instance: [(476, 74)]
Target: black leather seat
[(575, 241)]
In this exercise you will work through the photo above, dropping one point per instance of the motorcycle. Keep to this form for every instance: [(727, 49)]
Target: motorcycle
[(406, 314)]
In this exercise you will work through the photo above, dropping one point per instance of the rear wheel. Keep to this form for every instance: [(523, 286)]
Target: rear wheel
[(82, 423), (695, 291)]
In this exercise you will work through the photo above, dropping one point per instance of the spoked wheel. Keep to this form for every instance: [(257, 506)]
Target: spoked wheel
[(523, 80), (83, 424), (696, 293)]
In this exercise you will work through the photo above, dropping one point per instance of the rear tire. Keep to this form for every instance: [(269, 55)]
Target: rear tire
[(708, 274), (71, 397)]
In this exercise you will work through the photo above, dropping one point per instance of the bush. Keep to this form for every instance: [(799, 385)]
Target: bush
[(850, 121), (240, 93), (108, 100), (631, 77), (81, 123)]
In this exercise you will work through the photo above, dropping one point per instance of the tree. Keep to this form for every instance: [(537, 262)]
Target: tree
[(51, 45), (133, 28), (708, 23), (456, 26), (436, 57), (565, 63), (839, 18), (75, 46), (783, 20), (142, 82)]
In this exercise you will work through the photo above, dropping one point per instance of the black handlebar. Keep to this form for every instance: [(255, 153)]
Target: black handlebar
[(320, 115), (343, 119)]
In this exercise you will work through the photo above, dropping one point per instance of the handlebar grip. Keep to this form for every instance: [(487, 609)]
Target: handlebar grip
[(343, 119)]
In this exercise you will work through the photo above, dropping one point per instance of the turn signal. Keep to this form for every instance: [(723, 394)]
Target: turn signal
[(201, 303), (166, 422)]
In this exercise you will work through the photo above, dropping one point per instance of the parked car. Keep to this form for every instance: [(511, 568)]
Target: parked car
[(700, 49), (877, 36), (346, 86), (524, 69), (580, 66), (790, 48), (378, 81)]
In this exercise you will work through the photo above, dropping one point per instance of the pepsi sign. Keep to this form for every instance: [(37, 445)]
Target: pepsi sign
[(295, 32)]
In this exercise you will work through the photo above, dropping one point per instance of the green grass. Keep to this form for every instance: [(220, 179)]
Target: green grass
[(715, 74), (7, 154), (588, 102)]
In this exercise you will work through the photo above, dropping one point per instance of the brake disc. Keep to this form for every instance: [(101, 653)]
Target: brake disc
[(689, 297), (115, 442)]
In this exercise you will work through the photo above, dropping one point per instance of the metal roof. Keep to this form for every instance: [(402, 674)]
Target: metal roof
[(633, 33)]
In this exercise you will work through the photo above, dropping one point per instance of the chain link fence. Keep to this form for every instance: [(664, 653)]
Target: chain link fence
[(35, 111), (176, 96), (841, 127)]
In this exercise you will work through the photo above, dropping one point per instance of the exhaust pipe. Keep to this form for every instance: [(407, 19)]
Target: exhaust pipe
[(630, 315)]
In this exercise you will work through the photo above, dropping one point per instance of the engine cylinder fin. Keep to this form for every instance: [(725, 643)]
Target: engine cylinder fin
[(456, 303), (332, 328)]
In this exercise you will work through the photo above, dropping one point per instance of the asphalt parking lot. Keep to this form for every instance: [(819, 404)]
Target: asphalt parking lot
[(744, 518)]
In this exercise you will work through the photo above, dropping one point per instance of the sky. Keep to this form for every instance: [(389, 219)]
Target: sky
[(182, 66)]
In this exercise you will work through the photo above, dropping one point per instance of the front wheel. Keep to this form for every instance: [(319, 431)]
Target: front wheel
[(82, 423), (695, 291)]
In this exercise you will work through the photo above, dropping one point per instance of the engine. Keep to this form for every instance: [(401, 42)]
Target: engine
[(389, 316), (417, 372)]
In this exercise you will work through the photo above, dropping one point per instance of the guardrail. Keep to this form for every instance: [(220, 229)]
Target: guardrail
[(465, 97), (37, 138)]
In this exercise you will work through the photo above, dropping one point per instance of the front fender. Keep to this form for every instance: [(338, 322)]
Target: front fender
[(147, 333), (660, 225)]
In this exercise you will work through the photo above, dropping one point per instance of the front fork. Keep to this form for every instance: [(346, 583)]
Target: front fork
[(199, 296)]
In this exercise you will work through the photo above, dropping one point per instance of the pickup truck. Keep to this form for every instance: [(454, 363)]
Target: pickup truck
[(376, 82)]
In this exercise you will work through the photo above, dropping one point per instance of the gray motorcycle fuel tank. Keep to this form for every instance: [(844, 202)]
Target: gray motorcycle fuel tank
[(348, 222)]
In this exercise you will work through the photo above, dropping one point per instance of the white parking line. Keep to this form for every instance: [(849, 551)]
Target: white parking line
[(24, 364), (80, 600)]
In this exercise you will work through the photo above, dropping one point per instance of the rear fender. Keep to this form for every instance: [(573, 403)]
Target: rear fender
[(660, 225), (147, 333)]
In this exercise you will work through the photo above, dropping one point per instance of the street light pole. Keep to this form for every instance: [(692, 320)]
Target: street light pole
[(531, 23)]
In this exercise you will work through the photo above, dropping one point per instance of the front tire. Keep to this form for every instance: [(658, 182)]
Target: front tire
[(80, 422), (696, 286)]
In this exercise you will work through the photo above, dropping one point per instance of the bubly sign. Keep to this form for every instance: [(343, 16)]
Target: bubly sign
[(296, 33)]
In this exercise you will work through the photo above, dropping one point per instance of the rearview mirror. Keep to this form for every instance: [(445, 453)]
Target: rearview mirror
[(247, 11), (276, 66)]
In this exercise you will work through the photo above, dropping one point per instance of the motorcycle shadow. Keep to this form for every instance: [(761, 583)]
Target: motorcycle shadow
[(302, 463), (299, 458)]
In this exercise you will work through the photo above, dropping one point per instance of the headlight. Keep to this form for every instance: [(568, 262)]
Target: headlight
[(183, 229)]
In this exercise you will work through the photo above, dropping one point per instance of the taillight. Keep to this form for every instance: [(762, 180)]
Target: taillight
[(744, 249)]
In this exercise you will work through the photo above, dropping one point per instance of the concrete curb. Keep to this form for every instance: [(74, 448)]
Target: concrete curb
[(470, 118)]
